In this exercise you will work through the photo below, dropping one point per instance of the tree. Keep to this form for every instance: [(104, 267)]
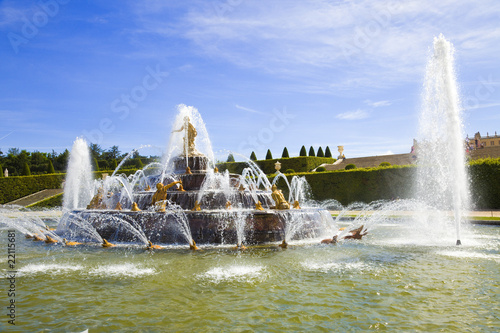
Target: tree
[(303, 151), (96, 165), (285, 153), (311, 151), (114, 164), (320, 153), (13, 151), (138, 163), (253, 157), (95, 150), (328, 153), (230, 158), (113, 152), (269, 156), (50, 167), (26, 169)]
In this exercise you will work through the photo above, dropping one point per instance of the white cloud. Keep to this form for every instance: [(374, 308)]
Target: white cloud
[(378, 103), (353, 115), (247, 109)]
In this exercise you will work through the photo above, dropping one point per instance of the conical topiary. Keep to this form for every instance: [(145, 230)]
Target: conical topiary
[(1, 171), (285, 153), (26, 170), (96, 165), (303, 151), (230, 158), (328, 153), (269, 156), (253, 157), (50, 167), (320, 153), (138, 163), (311, 151)]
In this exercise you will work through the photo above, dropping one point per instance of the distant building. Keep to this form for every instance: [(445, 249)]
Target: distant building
[(484, 141)]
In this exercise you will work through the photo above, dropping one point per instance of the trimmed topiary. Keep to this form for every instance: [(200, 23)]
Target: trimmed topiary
[(285, 153), (311, 152), (303, 151), (1, 171), (96, 165), (138, 163), (320, 169), (26, 170), (50, 168), (328, 153), (350, 166), (114, 164), (230, 158), (290, 171), (269, 156), (384, 164), (253, 157), (320, 153)]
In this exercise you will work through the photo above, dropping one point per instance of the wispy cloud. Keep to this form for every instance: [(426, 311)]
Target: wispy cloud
[(247, 109), (353, 115), (378, 103)]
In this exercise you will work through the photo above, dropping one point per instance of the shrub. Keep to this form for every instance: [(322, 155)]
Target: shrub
[(138, 163), (320, 153), (114, 164), (285, 153), (328, 153), (50, 168), (290, 171), (350, 166), (303, 151), (320, 169), (26, 170), (311, 152), (1, 171), (385, 164), (269, 156), (96, 165), (253, 157), (230, 158)]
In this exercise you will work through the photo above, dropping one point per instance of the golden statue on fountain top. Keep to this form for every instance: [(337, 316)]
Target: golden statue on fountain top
[(189, 137)]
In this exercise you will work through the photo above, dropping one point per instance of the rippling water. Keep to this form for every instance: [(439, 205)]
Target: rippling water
[(383, 282)]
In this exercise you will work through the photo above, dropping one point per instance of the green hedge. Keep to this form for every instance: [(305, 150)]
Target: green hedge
[(396, 182), (52, 202), (299, 164), (12, 188), (15, 187)]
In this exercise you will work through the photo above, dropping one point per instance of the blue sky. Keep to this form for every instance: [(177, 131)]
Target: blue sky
[(263, 74)]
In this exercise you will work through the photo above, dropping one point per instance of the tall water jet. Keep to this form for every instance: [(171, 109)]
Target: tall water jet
[(78, 188), (442, 179)]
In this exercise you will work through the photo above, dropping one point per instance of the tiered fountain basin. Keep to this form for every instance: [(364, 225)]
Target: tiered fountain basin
[(214, 223)]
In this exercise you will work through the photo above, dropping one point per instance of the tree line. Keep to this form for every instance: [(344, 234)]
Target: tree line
[(25, 163), (284, 154)]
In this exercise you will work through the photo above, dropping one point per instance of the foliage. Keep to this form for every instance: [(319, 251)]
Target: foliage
[(51, 202), (311, 152), (1, 171), (285, 153), (320, 169), (230, 158), (303, 151), (138, 163), (328, 153), (26, 169), (350, 166), (320, 152), (253, 157), (385, 164), (299, 164), (290, 171), (269, 156), (95, 166), (50, 168), (114, 164)]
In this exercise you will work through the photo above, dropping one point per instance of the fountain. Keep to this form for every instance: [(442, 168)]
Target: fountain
[(442, 179), (192, 202)]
